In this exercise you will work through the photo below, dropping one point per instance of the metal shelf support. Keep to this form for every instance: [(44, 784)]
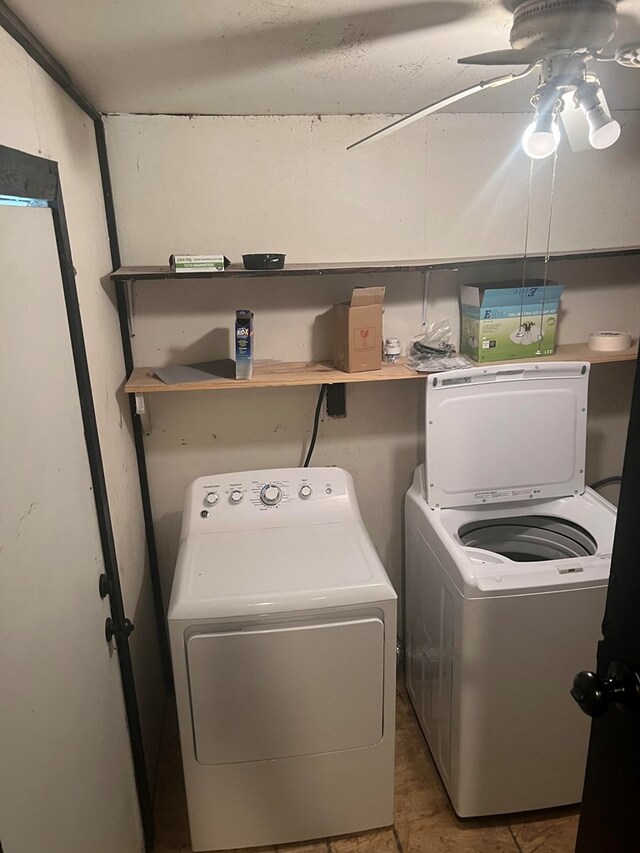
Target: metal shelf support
[(143, 412)]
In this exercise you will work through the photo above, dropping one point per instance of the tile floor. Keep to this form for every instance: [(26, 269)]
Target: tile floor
[(424, 819)]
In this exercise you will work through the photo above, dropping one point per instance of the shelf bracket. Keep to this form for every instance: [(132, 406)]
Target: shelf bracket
[(130, 299), (337, 400), (142, 410)]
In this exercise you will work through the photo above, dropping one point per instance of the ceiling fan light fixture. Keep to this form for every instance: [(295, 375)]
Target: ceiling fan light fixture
[(603, 130)]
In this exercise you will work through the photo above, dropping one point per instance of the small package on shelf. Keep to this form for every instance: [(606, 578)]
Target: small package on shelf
[(357, 331), (431, 351), (198, 263)]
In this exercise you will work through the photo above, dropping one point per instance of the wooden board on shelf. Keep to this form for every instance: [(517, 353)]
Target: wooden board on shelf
[(581, 352), (163, 273), (270, 375), (289, 374)]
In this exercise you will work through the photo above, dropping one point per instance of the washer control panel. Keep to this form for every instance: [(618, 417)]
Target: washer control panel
[(249, 498)]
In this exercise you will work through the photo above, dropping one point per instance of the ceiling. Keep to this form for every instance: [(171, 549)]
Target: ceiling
[(289, 57)]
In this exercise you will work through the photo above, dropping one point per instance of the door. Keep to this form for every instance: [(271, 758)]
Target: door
[(611, 799), (271, 693), (66, 773)]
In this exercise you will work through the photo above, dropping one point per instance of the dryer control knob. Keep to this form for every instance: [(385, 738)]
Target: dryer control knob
[(236, 496), (270, 494), (211, 498), (305, 492)]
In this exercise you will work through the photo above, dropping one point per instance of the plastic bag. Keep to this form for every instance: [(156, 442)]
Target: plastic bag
[(430, 351)]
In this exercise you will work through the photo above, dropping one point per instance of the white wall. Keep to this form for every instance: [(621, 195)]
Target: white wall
[(38, 118), (477, 184), (61, 705), (455, 185), (450, 186)]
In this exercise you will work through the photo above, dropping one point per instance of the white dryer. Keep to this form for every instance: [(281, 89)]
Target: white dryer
[(507, 563), (283, 633)]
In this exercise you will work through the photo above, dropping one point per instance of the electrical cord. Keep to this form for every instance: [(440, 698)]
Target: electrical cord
[(316, 424), (606, 482)]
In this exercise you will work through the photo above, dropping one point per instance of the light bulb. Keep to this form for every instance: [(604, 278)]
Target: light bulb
[(603, 130), (540, 139)]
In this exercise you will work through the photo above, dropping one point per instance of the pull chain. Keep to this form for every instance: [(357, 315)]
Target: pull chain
[(546, 254), (520, 332)]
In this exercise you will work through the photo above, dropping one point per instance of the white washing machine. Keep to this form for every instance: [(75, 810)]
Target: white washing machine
[(283, 633), (507, 562)]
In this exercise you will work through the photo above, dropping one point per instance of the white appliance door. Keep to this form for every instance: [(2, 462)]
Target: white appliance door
[(509, 432), (66, 772), (287, 691)]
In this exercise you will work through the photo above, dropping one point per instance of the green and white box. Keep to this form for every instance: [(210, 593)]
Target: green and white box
[(506, 321), (198, 263)]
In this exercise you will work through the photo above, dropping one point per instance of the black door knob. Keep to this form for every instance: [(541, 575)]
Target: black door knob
[(620, 688)]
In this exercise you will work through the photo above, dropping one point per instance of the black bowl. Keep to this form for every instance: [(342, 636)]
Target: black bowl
[(265, 261)]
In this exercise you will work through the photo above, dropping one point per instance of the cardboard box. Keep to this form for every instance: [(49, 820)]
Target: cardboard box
[(198, 263), (357, 342), (499, 323)]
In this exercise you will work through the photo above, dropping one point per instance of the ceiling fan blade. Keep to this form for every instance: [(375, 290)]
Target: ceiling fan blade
[(502, 57), (400, 123)]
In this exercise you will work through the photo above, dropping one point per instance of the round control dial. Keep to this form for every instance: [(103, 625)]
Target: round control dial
[(305, 492), (211, 498), (236, 496), (270, 494)]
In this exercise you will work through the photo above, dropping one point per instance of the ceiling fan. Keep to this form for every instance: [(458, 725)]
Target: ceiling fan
[(558, 38)]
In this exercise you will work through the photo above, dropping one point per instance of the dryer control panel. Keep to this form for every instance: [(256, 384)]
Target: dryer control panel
[(268, 498)]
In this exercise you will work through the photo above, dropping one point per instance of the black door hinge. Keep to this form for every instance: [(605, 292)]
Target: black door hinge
[(120, 632)]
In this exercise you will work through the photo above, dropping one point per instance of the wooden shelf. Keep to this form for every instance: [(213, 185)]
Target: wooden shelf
[(160, 273), (270, 375), (293, 373)]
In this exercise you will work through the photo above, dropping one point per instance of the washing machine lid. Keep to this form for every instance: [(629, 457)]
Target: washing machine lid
[(275, 570), (505, 433)]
